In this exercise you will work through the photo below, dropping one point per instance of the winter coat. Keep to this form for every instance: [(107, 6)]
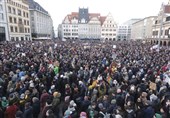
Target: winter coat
[(11, 111), (28, 113)]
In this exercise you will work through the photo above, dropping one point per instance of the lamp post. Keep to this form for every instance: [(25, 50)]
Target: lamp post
[(161, 32)]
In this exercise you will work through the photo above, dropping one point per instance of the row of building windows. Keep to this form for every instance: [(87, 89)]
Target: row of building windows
[(20, 38), (17, 4), (18, 12), (108, 34), (109, 25), (73, 34), (155, 33), (73, 30), (20, 21), (19, 29), (108, 29), (70, 26)]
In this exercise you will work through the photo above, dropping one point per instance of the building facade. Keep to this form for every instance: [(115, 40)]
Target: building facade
[(41, 22), (4, 34), (124, 30), (109, 28), (18, 19), (142, 29), (94, 28), (87, 26), (83, 26), (69, 27), (164, 15)]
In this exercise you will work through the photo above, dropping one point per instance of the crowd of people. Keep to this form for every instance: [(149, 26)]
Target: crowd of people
[(84, 79)]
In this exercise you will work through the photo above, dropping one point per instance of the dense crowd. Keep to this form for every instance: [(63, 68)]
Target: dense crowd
[(84, 79)]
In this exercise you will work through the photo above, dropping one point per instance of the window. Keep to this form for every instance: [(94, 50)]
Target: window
[(12, 38), (20, 21), (27, 22), (16, 29), (25, 30), (21, 30), (156, 21), (32, 18), (14, 11), (168, 18), (1, 8), (27, 15), (15, 20), (11, 28), (166, 32), (9, 9), (10, 19), (28, 30), (1, 16), (23, 13), (17, 38), (19, 12)]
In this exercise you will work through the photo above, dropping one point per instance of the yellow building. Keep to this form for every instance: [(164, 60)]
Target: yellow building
[(18, 19)]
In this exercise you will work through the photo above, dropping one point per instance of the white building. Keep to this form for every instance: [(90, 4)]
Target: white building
[(142, 29), (165, 25), (94, 28), (85, 25), (69, 27), (41, 22), (124, 30), (4, 32), (109, 28), (18, 19)]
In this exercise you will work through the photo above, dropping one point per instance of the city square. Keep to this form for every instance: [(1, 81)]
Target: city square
[(89, 67)]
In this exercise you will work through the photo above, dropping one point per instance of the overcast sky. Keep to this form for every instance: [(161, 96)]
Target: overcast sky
[(121, 10)]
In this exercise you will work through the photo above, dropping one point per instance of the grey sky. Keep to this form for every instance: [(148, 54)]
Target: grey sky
[(122, 10)]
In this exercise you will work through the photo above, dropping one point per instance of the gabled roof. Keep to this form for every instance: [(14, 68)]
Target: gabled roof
[(94, 15), (102, 19), (71, 16)]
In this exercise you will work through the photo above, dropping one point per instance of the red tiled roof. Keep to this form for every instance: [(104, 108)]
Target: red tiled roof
[(102, 19), (94, 15), (167, 9), (91, 15), (74, 13)]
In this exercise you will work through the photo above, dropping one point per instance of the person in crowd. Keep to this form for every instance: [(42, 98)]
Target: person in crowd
[(84, 79)]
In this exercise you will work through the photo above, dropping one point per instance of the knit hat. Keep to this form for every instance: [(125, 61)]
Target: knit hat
[(56, 94), (4, 102)]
